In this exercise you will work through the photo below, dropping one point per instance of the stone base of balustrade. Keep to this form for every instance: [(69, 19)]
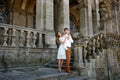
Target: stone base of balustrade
[(18, 57)]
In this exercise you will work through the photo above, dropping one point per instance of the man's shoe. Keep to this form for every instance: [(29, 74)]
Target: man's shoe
[(67, 71)]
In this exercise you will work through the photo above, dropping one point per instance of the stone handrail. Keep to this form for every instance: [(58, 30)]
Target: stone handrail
[(13, 36), (95, 45)]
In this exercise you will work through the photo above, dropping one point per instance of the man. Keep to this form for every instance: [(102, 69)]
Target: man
[(67, 46)]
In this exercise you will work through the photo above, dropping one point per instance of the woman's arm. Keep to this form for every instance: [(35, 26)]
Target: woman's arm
[(62, 42)]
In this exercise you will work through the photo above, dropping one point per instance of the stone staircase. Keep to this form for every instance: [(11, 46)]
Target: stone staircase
[(93, 48), (96, 52), (71, 76), (54, 63), (38, 73)]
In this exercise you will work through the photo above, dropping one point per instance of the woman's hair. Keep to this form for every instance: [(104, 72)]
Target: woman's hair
[(57, 37)]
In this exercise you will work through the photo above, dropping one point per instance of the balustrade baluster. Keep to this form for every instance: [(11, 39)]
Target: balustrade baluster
[(40, 41), (5, 35), (21, 38), (13, 38), (28, 39), (34, 39)]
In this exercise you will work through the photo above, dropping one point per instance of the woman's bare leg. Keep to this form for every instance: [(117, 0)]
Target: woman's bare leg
[(59, 65)]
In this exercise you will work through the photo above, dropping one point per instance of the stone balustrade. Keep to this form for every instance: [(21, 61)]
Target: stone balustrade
[(18, 36), (113, 39), (95, 45), (94, 56)]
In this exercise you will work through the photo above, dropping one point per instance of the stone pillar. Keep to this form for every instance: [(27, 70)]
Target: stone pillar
[(89, 16), (79, 64), (91, 68), (78, 60), (40, 10), (40, 19), (63, 15), (49, 24), (83, 20), (86, 26)]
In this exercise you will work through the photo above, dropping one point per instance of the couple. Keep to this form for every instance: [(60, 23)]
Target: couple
[(64, 50)]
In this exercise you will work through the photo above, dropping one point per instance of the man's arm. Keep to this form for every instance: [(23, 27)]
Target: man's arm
[(70, 38)]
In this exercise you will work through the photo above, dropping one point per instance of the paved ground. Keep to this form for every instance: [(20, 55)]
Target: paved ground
[(37, 73)]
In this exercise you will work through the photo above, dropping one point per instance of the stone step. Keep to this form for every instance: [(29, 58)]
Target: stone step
[(56, 62), (36, 74), (56, 66), (58, 76), (78, 78)]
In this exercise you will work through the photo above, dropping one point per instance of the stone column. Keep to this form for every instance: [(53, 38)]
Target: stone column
[(63, 15), (89, 16), (86, 26), (40, 18), (83, 19), (40, 13), (49, 24), (78, 60)]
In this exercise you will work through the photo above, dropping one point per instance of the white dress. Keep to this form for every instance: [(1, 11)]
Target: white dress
[(61, 50)]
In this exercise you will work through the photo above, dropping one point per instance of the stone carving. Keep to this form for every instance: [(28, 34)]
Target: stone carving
[(115, 4), (24, 56), (8, 59), (102, 10)]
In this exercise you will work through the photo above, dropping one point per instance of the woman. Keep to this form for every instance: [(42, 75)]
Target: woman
[(61, 50)]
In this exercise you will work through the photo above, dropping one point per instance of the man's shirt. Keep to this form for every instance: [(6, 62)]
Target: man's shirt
[(68, 41)]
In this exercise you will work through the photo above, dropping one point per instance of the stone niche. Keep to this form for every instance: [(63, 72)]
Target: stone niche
[(14, 57)]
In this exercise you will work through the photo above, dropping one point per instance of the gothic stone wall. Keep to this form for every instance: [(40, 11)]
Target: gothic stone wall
[(17, 57)]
